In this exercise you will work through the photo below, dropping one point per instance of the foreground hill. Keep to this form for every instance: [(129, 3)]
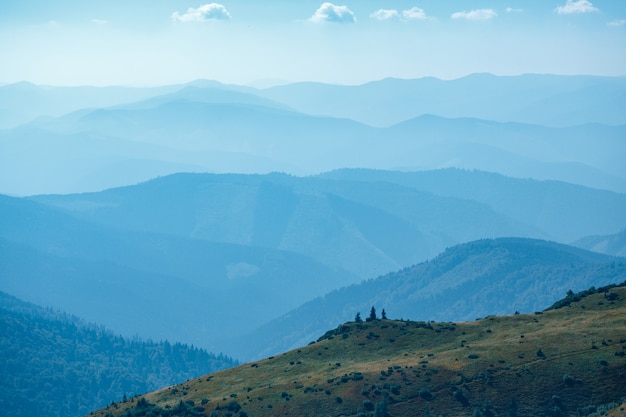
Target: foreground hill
[(566, 361), (56, 365), (489, 276)]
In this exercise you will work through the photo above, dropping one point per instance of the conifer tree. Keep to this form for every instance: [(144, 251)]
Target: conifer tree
[(372, 314)]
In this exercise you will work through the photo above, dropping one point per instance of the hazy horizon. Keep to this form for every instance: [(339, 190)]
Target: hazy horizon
[(144, 43), (265, 83)]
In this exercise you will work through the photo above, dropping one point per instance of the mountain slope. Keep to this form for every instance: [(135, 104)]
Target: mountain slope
[(56, 365), (25, 102), (189, 121), (567, 361), (613, 244), (518, 149), (470, 280), (22, 102), (564, 212), (364, 228)]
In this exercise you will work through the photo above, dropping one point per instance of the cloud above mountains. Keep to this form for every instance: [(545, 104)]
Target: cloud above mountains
[(617, 23), (576, 6), (479, 14), (210, 11), (414, 13), (329, 12), (385, 14)]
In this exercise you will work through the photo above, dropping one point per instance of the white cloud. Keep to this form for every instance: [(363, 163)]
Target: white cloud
[(203, 13), (617, 23), (329, 12), (512, 10), (576, 6), (385, 14), (479, 14), (414, 13), (99, 22)]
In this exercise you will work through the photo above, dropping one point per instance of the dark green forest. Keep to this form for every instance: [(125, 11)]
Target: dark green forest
[(52, 364)]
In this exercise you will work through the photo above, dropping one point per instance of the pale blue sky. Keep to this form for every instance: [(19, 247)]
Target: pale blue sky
[(141, 42)]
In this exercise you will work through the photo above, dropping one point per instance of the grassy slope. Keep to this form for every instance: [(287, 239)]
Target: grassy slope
[(493, 364)]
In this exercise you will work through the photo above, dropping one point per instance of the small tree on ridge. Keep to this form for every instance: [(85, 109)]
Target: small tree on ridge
[(372, 314)]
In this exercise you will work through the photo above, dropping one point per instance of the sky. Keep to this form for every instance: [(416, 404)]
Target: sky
[(158, 42)]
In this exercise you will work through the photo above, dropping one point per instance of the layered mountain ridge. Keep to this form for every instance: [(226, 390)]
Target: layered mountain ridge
[(311, 128), (260, 246)]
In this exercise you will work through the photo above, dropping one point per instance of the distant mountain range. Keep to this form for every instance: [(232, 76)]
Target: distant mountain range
[(541, 99), (57, 365), (247, 249), (535, 126)]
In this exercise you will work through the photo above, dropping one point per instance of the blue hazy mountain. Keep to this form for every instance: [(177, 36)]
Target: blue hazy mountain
[(611, 244), (550, 100), (465, 282), (554, 207), (208, 127), (23, 102), (364, 228), (181, 135), (345, 218), (589, 154), (103, 147), (150, 284)]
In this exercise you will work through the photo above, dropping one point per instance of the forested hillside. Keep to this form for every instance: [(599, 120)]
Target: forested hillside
[(52, 364)]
